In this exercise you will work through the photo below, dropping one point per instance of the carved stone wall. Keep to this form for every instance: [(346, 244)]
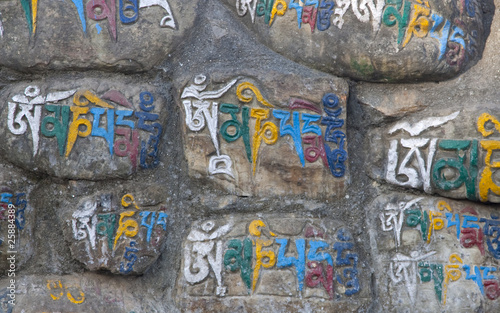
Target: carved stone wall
[(249, 155)]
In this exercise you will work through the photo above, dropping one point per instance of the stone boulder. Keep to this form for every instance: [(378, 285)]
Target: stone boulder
[(272, 262), (433, 253), (82, 128), (115, 233), (126, 36), (273, 134), (452, 153), (373, 40)]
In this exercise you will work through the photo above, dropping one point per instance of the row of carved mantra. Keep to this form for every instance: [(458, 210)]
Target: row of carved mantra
[(411, 20), (469, 227), (239, 257), (405, 269), (468, 231), (239, 254), (201, 109), (26, 110), (206, 250), (465, 152)]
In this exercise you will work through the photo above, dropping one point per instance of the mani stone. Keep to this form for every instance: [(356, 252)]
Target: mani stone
[(278, 134), (373, 40), (115, 234), (91, 128), (83, 34), (270, 263), (435, 254), (452, 153)]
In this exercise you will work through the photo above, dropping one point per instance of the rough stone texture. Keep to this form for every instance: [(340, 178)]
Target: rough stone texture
[(65, 36), (52, 126), (293, 258), (435, 252), (371, 40), (53, 269), (239, 129)]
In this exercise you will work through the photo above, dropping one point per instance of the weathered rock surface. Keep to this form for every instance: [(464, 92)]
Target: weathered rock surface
[(84, 128), (293, 237), (370, 40), (114, 35), (252, 134), (433, 252)]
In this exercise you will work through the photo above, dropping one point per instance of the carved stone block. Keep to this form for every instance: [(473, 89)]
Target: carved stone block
[(273, 136)]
